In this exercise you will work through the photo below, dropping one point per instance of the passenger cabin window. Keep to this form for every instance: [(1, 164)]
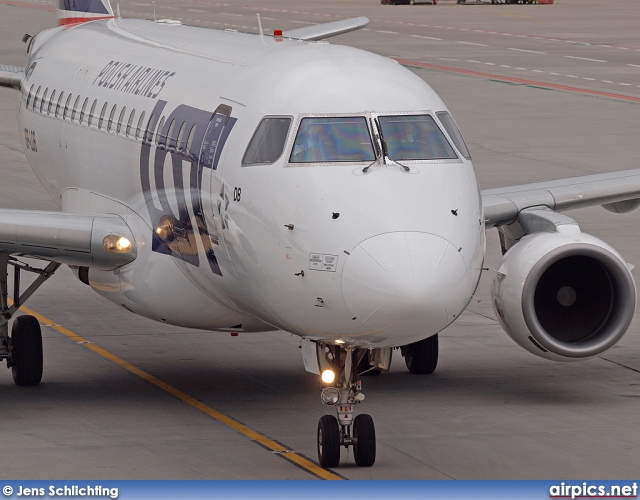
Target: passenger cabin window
[(192, 134), (51, 100), (111, 115), (84, 108), (66, 107), (44, 100), (415, 137), (74, 111), (181, 136), (160, 138), (454, 132), (139, 127), (59, 104), (93, 109), (330, 140), (102, 113), (121, 119), (170, 138), (35, 99), (268, 141), (29, 96), (148, 136), (130, 122)]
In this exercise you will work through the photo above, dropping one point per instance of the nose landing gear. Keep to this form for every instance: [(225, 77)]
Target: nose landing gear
[(344, 393)]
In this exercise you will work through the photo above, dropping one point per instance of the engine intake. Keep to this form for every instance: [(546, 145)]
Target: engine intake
[(564, 297)]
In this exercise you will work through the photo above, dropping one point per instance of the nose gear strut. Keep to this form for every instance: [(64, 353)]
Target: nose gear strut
[(344, 393)]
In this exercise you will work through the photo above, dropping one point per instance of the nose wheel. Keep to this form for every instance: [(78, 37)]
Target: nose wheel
[(344, 392)]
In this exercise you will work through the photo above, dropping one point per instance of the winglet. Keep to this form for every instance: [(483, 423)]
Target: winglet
[(320, 31), (82, 11)]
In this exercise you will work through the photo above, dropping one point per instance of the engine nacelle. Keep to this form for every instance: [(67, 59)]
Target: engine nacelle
[(564, 295)]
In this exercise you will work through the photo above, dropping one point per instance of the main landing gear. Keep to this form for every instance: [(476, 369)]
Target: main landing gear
[(23, 349), (421, 357), (340, 371)]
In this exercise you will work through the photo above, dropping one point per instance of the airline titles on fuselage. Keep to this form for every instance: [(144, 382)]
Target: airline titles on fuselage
[(133, 78)]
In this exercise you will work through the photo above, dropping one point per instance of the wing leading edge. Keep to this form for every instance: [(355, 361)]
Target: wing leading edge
[(326, 30), (502, 205), (73, 239), (11, 76)]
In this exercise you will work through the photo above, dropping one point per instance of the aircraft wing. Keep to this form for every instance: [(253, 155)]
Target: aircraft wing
[(68, 238), (326, 30), (502, 205), (11, 76)]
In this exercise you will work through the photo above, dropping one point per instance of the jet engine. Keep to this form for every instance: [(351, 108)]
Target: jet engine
[(564, 295)]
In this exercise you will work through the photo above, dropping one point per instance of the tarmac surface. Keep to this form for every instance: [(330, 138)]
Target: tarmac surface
[(539, 92)]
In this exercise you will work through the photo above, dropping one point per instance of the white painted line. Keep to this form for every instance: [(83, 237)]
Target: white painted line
[(427, 37), (555, 74), (571, 76), (471, 43), (626, 84), (522, 69), (388, 32), (590, 79), (504, 66), (537, 71), (606, 81), (474, 62), (490, 64), (633, 65), (586, 59), (529, 51)]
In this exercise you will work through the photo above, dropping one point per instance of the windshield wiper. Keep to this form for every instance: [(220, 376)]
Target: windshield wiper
[(380, 145), (384, 153)]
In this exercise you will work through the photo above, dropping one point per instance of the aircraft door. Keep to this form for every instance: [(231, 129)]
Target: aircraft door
[(215, 197)]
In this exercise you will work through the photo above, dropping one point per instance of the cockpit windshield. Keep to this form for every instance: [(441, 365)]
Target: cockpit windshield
[(415, 137), (332, 139)]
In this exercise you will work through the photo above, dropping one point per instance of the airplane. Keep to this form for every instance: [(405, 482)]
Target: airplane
[(248, 182)]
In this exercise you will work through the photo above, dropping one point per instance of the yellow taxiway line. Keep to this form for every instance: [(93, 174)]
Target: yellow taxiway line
[(264, 441)]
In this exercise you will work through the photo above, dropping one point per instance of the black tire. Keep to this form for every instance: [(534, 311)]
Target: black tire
[(26, 364), (422, 357), (328, 442), (364, 438)]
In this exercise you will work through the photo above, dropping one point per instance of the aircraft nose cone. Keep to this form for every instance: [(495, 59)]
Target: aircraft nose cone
[(409, 283)]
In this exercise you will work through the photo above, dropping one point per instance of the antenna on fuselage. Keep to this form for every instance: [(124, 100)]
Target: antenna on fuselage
[(260, 26), (118, 10), (154, 12)]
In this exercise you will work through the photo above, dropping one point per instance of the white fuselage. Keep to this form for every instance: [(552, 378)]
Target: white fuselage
[(382, 257)]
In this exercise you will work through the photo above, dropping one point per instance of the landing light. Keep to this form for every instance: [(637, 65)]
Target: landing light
[(328, 376), (117, 244), (330, 395)]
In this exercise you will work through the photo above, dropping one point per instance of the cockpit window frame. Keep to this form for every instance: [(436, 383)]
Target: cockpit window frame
[(285, 147), (370, 117)]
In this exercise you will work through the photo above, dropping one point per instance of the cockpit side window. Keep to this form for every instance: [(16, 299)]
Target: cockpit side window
[(332, 139), (415, 137), (268, 141), (454, 132)]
